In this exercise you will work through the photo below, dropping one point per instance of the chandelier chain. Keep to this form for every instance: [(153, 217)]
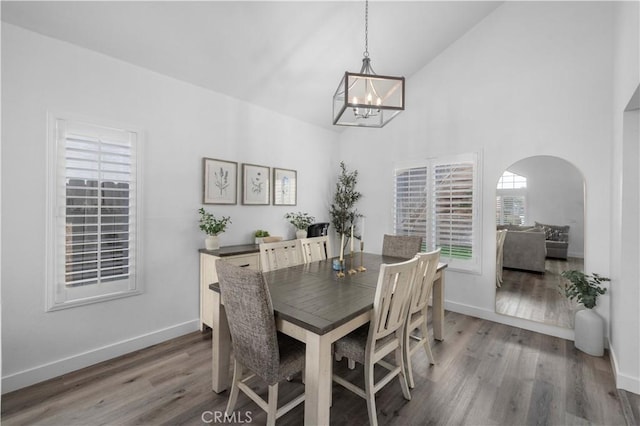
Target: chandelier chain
[(366, 29)]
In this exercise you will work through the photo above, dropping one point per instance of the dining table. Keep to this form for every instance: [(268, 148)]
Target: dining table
[(313, 304)]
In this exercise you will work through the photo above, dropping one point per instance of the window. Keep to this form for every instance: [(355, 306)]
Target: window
[(510, 180), (93, 203), (511, 199), (438, 200)]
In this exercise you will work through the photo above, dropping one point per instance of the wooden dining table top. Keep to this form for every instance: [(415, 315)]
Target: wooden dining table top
[(313, 297)]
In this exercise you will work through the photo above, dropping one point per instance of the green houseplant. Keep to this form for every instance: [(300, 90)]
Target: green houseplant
[(212, 227), (583, 288), (343, 212), (588, 325), (301, 221), (259, 235)]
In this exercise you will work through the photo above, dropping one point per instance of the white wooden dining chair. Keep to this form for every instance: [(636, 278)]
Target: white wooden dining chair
[(384, 334), (315, 248), (405, 246), (501, 235), (257, 346), (418, 307), (281, 254)]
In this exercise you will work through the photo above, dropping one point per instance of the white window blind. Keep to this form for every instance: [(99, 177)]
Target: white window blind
[(510, 209), (453, 195), (411, 202), (511, 200), (94, 231), (438, 200)]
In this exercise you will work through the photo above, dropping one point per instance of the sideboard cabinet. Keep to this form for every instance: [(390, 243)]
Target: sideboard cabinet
[(246, 256)]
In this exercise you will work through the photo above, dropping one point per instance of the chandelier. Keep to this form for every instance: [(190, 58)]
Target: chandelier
[(366, 99)]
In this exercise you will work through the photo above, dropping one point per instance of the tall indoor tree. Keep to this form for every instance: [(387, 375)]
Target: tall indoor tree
[(343, 212)]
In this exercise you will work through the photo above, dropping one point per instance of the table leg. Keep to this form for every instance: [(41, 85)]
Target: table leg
[(318, 380), (221, 346), (437, 311)]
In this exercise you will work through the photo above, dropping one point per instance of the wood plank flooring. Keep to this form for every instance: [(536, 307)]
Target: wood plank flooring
[(485, 374), (535, 297)]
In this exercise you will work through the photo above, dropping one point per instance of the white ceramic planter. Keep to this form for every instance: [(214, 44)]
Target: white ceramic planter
[(212, 242), (301, 233), (589, 332)]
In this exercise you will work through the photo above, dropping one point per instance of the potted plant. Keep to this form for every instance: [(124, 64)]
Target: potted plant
[(343, 212), (588, 325), (301, 221), (212, 227), (260, 235)]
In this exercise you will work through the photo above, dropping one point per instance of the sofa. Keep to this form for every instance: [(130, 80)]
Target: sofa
[(524, 248), (557, 240)]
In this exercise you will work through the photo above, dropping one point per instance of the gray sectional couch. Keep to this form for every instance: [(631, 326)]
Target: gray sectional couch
[(557, 240), (524, 248)]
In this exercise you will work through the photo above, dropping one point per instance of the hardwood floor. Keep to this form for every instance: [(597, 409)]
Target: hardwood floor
[(536, 297), (485, 374)]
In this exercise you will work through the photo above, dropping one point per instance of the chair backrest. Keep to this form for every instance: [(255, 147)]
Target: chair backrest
[(249, 310), (405, 246), (318, 229), (280, 254), (427, 268), (316, 248), (392, 298)]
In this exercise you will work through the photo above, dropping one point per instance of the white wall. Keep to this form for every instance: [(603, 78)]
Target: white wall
[(182, 124), (625, 238), (533, 78), (555, 196)]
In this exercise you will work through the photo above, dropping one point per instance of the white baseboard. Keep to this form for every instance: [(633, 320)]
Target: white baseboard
[(53, 369), (551, 330), (628, 383)]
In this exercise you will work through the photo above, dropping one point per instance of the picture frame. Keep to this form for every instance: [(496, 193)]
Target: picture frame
[(285, 187), (255, 184), (220, 181)]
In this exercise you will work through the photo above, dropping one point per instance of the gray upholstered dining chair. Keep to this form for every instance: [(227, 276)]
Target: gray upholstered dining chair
[(257, 346), (405, 246), (315, 248), (418, 307), (280, 254), (384, 334)]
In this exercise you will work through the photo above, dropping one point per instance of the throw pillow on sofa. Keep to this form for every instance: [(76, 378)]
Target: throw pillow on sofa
[(554, 232)]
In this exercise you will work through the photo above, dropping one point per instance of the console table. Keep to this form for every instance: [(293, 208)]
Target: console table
[(246, 255)]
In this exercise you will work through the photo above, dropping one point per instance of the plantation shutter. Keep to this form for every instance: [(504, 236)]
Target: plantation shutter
[(410, 198), (453, 209), (510, 209), (99, 187), (438, 201), (94, 229)]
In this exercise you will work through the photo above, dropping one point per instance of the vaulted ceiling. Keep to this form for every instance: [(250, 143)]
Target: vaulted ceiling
[(285, 56)]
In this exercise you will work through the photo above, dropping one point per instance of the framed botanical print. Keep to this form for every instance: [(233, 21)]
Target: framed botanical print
[(220, 181), (285, 187), (255, 184)]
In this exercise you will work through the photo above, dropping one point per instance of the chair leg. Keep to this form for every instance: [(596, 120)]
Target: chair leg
[(272, 405), (351, 364), (403, 372), (369, 389), (233, 395), (406, 352), (425, 341)]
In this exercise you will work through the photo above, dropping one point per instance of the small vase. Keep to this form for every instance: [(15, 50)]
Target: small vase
[(301, 233), (212, 242), (589, 332)]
